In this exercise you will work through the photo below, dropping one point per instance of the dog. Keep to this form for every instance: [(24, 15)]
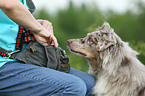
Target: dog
[(112, 61)]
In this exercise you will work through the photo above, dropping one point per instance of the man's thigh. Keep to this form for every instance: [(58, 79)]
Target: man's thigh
[(18, 79)]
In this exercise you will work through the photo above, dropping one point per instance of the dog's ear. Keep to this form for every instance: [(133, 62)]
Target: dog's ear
[(105, 28), (102, 45), (106, 39)]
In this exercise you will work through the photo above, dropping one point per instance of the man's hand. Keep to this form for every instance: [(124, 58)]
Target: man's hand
[(46, 24), (46, 36)]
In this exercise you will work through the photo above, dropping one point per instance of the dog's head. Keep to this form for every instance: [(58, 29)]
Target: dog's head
[(98, 41)]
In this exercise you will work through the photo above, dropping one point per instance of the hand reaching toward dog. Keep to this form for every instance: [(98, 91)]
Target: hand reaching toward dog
[(46, 36)]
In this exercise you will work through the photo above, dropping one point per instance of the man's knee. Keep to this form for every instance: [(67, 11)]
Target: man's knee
[(77, 87)]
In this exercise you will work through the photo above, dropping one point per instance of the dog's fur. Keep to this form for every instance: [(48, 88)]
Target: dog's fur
[(112, 62)]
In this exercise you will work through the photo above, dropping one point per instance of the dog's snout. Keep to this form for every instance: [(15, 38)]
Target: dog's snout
[(69, 42)]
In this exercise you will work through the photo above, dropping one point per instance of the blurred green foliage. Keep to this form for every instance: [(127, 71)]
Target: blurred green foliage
[(76, 22)]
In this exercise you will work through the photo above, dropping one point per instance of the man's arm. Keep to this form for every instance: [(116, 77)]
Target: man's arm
[(17, 12)]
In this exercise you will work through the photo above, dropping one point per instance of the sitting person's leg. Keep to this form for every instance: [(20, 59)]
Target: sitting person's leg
[(89, 80), (18, 79)]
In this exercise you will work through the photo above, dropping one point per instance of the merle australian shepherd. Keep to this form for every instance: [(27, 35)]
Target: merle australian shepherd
[(112, 61)]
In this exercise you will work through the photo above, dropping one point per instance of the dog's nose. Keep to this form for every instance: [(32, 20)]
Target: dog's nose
[(69, 42)]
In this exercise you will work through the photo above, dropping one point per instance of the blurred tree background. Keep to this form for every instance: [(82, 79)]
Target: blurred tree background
[(76, 22)]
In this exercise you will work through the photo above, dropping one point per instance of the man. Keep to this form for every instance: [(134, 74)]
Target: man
[(19, 79)]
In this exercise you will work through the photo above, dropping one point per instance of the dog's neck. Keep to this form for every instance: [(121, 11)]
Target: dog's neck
[(95, 64)]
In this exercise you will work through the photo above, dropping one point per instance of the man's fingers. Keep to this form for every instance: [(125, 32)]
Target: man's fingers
[(50, 39), (54, 41)]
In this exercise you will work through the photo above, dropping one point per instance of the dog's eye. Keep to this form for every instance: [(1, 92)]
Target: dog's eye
[(93, 40), (90, 40)]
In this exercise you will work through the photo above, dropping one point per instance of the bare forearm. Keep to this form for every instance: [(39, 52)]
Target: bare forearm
[(17, 12)]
